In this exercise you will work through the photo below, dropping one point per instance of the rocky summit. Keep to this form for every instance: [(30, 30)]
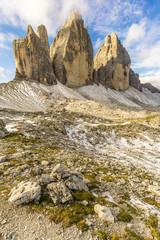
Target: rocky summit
[(72, 53), (32, 58), (112, 64)]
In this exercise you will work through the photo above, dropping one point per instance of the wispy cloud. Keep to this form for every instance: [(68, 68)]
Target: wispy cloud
[(6, 38), (101, 15), (98, 43)]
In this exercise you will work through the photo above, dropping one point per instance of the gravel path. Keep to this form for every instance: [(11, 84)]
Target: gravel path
[(18, 223)]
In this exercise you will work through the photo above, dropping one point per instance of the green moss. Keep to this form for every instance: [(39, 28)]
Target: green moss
[(155, 233), (12, 136), (80, 196), (124, 216), (109, 178), (126, 196), (104, 170), (151, 201), (102, 235), (115, 237), (152, 222), (78, 208), (82, 226), (132, 209), (132, 235), (44, 201), (65, 216), (93, 182)]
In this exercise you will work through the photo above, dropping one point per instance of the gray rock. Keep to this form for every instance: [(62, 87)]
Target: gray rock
[(60, 171), (104, 213), (75, 183), (59, 192), (25, 192), (44, 163), (3, 159), (3, 130), (134, 80), (46, 179), (150, 87)]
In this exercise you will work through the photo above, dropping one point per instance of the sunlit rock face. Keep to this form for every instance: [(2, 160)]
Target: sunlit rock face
[(72, 53), (32, 57), (112, 64)]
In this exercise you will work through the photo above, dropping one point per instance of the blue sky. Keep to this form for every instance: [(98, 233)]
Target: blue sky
[(136, 22)]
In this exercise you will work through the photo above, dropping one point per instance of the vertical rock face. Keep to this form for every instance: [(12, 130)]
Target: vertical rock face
[(42, 34), (134, 80), (112, 64), (32, 58), (72, 53)]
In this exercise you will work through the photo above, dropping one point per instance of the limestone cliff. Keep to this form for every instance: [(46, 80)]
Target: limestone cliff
[(134, 80), (112, 64), (32, 58), (72, 53)]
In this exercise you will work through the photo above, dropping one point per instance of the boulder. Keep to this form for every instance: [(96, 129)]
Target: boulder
[(72, 53), (75, 183), (134, 80), (60, 171), (3, 159), (3, 130), (150, 87), (112, 64), (32, 57), (73, 180), (104, 213), (46, 179), (59, 192), (25, 192)]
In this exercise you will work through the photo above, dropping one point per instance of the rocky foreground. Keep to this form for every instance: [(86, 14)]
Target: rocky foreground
[(80, 171)]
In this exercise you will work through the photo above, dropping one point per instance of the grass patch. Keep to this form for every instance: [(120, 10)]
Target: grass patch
[(124, 216), (132, 235), (102, 235), (155, 233), (82, 226), (151, 201), (80, 196), (109, 178), (93, 183), (152, 222)]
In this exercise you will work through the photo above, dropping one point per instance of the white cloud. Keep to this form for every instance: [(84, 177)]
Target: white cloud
[(6, 38), (152, 76), (52, 13), (98, 43), (135, 33)]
